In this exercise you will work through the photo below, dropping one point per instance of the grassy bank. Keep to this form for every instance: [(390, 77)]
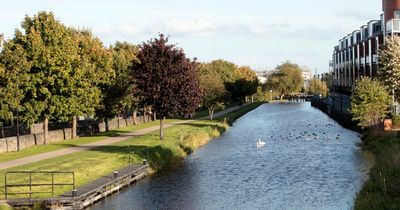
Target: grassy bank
[(382, 190), (89, 165), (74, 143), (231, 117)]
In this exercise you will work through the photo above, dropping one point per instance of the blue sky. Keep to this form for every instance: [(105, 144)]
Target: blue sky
[(257, 33)]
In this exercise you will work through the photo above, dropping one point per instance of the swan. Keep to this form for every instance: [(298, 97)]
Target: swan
[(260, 143)]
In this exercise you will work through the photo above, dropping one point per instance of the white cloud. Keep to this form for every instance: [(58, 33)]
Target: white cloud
[(194, 26), (123, 30)]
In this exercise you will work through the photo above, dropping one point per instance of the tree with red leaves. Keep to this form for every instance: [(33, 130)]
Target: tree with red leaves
[(166, 80)]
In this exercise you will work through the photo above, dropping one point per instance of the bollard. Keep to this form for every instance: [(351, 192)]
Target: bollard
[(115, 174), (74, 192), (144, 162)]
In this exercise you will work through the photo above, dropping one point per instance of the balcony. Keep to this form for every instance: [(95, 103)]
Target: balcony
[(393, 26)]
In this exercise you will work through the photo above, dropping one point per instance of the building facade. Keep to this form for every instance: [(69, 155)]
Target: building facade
[(357, 53)]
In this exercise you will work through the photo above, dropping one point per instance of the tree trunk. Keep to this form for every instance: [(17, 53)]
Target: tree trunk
[(46, 130), (211, 114), (134, 117), (252, 99), (144, 115), (154, 116), (162, 128), (106, 121), (283, 95), (74, 128), (118, 121)]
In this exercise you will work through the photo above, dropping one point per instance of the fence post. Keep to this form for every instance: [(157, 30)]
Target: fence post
[(5, 185), (73, 180), (30, 184), (52, 185)]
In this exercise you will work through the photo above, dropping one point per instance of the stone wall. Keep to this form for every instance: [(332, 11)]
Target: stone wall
[(37, 128), (9, 144)]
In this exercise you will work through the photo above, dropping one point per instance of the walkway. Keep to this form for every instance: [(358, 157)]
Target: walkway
[(107, 141)]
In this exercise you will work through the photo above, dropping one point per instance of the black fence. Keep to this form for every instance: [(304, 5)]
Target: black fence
[(36, 182), (8, 131)]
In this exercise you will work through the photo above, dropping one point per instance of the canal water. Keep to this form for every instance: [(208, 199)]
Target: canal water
[(308, 162)]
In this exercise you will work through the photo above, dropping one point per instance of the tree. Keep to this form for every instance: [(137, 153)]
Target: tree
[(246, 83), (214, 92), (369, 103), (224, 69), (61, 68), (117, 96), (389, 64), (316, 86), (166, 80), (13, 79), (286, 79), (93, 71), (242, 88)]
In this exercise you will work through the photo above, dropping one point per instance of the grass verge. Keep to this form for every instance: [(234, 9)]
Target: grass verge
[(382, 189), (90, 165), (74, 143), (231, 117)]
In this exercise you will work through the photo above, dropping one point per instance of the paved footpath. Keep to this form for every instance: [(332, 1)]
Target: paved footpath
[(107, 141)]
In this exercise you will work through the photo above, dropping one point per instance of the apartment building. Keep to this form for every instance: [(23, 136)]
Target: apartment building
[(357, 53)]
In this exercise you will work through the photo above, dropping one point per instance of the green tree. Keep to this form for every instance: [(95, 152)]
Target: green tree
[(287, 79), (13, 81), (214, 92), (166, 80), (389, 63), (224, 69), (93, 70), (247, 83), (61, 68), (369, 103), (117, 95), (316, 86)]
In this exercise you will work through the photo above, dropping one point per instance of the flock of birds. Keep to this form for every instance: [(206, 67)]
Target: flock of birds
[(304, 134)]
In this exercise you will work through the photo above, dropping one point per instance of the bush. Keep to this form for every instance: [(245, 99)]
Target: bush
[(396, 121)]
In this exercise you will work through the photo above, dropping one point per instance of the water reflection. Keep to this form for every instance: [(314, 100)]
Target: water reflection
[(303, 166)]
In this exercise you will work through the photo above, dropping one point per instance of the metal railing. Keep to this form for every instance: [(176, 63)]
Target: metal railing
[(32, 183)]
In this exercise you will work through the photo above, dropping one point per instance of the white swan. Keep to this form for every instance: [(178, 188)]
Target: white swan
[(260, 143)]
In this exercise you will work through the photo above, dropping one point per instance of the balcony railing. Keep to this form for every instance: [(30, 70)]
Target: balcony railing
[(393, 26)]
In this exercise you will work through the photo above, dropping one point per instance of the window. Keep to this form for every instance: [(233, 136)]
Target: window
[(397, 14)]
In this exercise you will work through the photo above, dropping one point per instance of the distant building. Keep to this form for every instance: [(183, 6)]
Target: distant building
[(307, 76), (262, 76), (357, 53)]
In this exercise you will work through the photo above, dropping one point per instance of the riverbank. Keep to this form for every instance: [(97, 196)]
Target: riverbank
[(90, 165), (382, 189)]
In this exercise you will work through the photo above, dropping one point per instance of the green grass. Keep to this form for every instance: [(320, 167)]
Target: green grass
[(4, 206), (231, 117), (90, 165), (74, 143), (203, 112), (382, 189)]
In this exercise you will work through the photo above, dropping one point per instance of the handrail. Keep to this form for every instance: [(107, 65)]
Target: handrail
[(32, 184)]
